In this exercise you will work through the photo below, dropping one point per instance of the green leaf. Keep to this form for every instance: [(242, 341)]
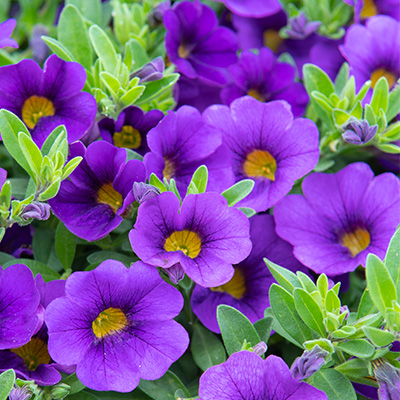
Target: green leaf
[(199, 179), (344, 332), (90, 9), (377, 336), (390, 148), (163, 388), (354, 367), (207, 350), (54, 139), (72, 33), (306, 282), (31, 152), (341, 78), (249, 212), (358, 348), (282, 304), (392, 260), (70, 167), (36, 267), (332, 302), (155, 181), (51, 191), (10, 126), (7, 379), (235, 328), (263, 327), (157, 88), (323, 285), (340, 116), (100, 256), (286, 278), (334, 384), (110, 81), (380, 96), (309, 311), (316, 79), (366, 305), (58, 48), (131, 95), (75, 384), (103, 48), (370, 115), (238, 191), (380, 283), (394, 103), (65, 245)]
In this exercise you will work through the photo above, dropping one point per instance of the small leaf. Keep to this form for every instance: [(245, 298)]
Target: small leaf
[(235, 328), (306, 282), (332, 302), (394, 103), (31, 152), (316, 79), (70, 167), (58, 48), (377, 336), (392, 260), (36, 267), (323, 285), (286, 278), (380, 283), (110, 81), (200, 179), (366, 305), (238, 191), (103, 48), (341, 78), (207, 349), (358, 348), (54, 139), (131, 95), (354, 367), (380, 96), (263, 327), (249, 212), (344, 332), (65, 245), (157, 88), (7, 379)]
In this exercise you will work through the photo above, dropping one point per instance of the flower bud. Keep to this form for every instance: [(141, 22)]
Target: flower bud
[(359, 132), (142, 192), (300, 27), (151, 71), (20, 393), (36, 210), (175, 273), (309, 362), (388, 378), (260, 348)]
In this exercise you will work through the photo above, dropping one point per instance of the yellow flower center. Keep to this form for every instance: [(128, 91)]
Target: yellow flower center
[(108, 195), (369, 9), (260, 164), (35, 108), (183, 52), (128, 137), (186, 241), (356, 241), (34, 353), (108, 322), (169, 169), (236, 287), (272, 39), (256, 94), (378, 73)]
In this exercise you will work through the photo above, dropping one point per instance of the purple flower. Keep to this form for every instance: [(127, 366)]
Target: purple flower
[(252, 8), (264, 78), (341, 218), (309, 363), (142, 192), (116, 325), (36, 210), (373, 50), (32, 360), (49, 98), (245, 375), (20, 393), (267, 145), (131, 128), (92, 203), (182, 142), (6, 29), (19, 302), (204, 235), (388, 378), (196, 44), (369, 8), (300, 27), (247, 291), (40, 50), (17, 241), (359, 132), (151, 71)]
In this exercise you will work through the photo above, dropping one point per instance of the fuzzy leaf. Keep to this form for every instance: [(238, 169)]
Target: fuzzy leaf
[(286, 278), (358, 348), (392, 260), (7, 379), (238, 191)]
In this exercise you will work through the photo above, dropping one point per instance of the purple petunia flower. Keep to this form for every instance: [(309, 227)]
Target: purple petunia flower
[(196, 44), (247, 291), (267, 145), (32, 360), (204, 235), (6, 29), (373, 50), (92, 203), (116, 325), (49, 98), (364, 9), (131, 128), (341, 218), (19, 302), (182, 142), (252, 8), (264, 78), (245, 375)]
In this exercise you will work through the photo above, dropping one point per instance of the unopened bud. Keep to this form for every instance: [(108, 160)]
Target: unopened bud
[(20, 393), (308, 363), (36, 210), (60, 391), (300, 27), (359, 132), (260, 348), (388, 378), (175, 273), (142, 192), (152, 71)]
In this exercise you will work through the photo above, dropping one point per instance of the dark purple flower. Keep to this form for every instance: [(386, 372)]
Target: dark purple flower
[(267, 145), (6, 29), (247, 291), (49, 98), (373, 50), (92, 203), (204, 235), (196, 44), (252, 8), (300, 27), (116, 325), (309, 363), (36, 210), (341, 218), (40, 50), (182, 142), (131, 128), (17, 241), (247, 376), (359, 132), (142, 192), (19, 302), (151, 71), (32, 360), (264, 78)]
